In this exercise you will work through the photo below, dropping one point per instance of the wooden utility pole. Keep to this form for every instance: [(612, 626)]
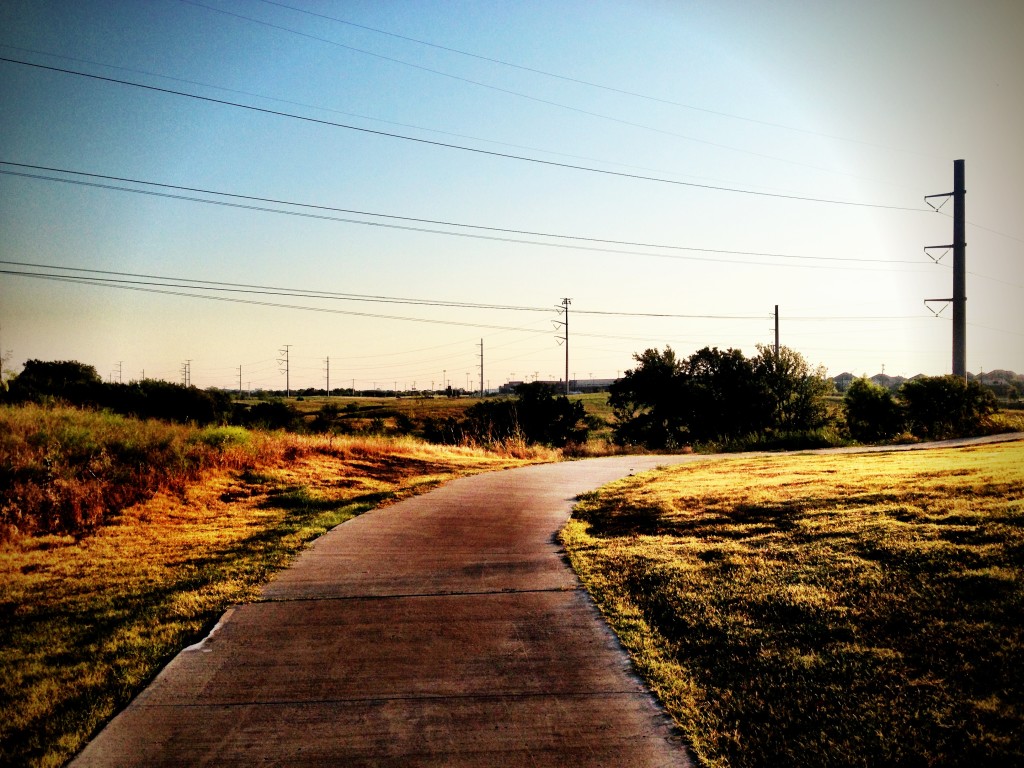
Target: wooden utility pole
[(287, 369), (481, 369), (566, 303), (776, 331)]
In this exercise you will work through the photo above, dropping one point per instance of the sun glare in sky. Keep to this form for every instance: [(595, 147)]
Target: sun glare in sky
[(391, 186)]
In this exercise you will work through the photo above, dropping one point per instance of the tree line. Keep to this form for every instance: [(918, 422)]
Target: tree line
[(725, 400), (714, 399)]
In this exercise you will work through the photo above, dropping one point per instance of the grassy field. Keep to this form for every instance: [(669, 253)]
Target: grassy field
[(823, 610), (88, 617)]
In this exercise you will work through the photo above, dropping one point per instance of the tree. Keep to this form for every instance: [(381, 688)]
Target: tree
[(646, 401), (872, 413), (796, 393), (666, 403), (68, 380), (722, 396), (716, 396)]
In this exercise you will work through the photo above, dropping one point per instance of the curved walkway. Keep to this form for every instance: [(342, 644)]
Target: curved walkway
[(443, 630)]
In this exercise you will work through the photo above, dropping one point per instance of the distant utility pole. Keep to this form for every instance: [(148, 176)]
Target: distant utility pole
[(776, 330), (186, 373), (481, 368), (239, 381), (287, 369), (959, 247), (328, 361), (120, 371), (564, 308)]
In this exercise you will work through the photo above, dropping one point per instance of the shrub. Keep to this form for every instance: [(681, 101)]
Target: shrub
[(271, 414), (872, 413), (78, 384), (536, 416), (938, 407)]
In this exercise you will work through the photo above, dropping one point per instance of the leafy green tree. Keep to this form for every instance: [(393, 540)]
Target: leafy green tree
[(722, 396), (716, 396), (872, 412), (938, 407), (67, 380), (666, 403), (795, 392), (646, 401)]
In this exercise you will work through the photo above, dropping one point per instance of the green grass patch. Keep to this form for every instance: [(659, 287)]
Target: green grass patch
[(823, 610)]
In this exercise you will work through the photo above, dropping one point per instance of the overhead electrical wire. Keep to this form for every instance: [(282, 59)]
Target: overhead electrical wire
[(578, 81), (352, 114), (463, 148), (144, 282), (214, 285), (557, 236), (126, 285), (519, 94), (575, 238)]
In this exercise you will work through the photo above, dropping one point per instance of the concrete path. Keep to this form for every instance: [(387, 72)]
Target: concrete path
[(444, 630)]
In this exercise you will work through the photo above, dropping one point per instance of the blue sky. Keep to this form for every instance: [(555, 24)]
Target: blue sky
[(865, 105)]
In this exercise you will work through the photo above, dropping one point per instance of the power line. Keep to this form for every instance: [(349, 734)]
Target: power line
[(510, 92), (987, 229), (152, 284), (578, 81), (122, 278), (233, 300), (496, 238), (491, 153), (214, 285), (343, 112)]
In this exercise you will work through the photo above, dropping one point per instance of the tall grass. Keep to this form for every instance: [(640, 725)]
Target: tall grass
[(98, 591), (67, 471)]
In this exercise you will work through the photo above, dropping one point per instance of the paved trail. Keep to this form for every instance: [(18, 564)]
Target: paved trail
[(444, 630)]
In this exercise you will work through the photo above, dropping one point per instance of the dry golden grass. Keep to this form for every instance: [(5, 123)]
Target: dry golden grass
[(87, 620), (823, 610)]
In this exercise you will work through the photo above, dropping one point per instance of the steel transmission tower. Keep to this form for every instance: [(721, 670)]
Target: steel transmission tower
[(959, 248)]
